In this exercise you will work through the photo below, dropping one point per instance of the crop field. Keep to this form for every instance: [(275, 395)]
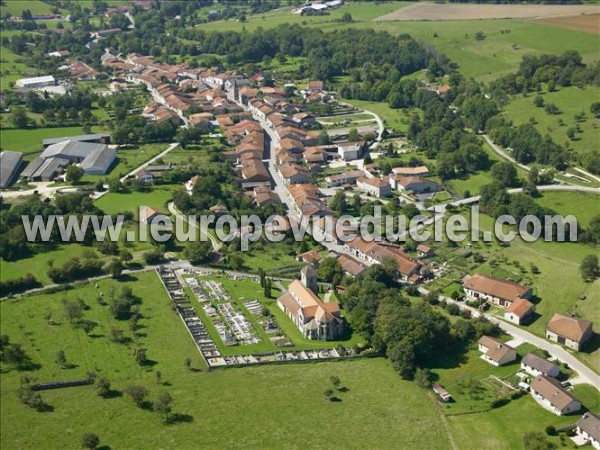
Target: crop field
[(451, 11), (587, 22), (570, 101), (216, 401)]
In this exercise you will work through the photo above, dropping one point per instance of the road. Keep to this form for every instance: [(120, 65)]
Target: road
[(216, 245), (585, 374)]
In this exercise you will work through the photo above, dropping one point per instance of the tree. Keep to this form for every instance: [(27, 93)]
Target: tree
[(158, 376), (125, 256), (480, 36), (329, 268), (338, 202), (506, 173), (73, 309), (137, 393), (90, 440), (114, 268), (163, 405), (335, 381), (102, 386), (589, 268), (61, 359), (535, 440), (198, 252), (346, 18), (73, 174), (538, 101), (595, 109), (423, 377), (551, 108), (323, 138), (268, 287), (353, 135), (19, 118), (139, 354), (187, 362)]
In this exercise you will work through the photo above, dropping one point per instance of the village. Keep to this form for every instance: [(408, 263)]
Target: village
[(174, 138)]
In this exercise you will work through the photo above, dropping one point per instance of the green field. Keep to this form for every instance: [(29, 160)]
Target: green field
[(16, 7), (38, 264), (30, 140), (157, 199), (498, 54), (570, 101), (210, 404)]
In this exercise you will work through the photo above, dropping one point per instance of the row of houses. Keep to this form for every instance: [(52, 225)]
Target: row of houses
[(516, 299)]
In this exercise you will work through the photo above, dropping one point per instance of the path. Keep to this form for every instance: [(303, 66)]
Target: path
[(216, 245)]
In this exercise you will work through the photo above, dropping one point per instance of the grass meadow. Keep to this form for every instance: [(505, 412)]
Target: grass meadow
[(506, 41), (209, 404), (570, 101)]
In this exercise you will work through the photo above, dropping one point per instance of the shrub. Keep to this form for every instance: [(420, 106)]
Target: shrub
[(499, 402)]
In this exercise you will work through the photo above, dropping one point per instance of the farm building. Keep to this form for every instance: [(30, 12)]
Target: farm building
[(10, 163), (569, 331), (36, 82), (98, 138), (500, 292)]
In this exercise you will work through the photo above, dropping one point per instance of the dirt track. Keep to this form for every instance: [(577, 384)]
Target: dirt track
[(455, 11), (589, 23)]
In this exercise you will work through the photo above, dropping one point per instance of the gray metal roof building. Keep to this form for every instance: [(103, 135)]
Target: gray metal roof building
[(10, 163), (101, 138)]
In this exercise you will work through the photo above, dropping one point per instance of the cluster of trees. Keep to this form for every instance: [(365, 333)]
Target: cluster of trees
[(21, 284), (563, 70), (77, 268), (328, 54), (13, 240), (136, 130), (408, 334)]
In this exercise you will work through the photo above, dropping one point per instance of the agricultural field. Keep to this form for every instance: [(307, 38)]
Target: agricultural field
[(571, 101), (216, 401), (505, 43), (15, 8)]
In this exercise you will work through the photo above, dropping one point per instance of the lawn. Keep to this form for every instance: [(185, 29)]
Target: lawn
[(15, 8), (582, 205), (244, 399), (398, 119), (570, 101), (157, 199), (275, 258)]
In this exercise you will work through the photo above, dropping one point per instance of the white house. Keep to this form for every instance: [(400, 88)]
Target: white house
[(495, 351), (376, 187), (535, 365), (519, 311), (549, 393), (588, 427)]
